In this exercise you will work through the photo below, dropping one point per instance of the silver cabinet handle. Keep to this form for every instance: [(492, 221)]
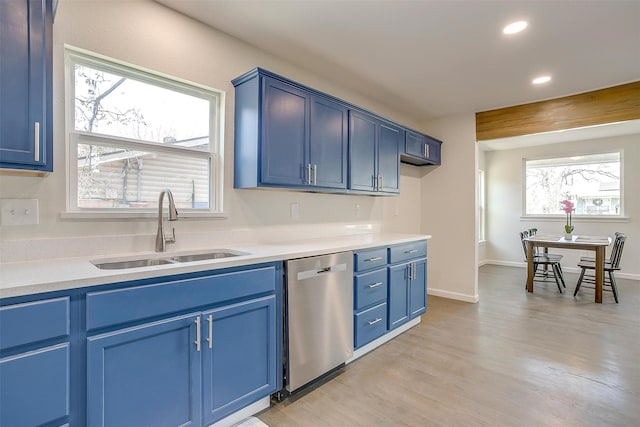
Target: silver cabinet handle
[(36, 141), (197, 341), (427, 150), (373, 322), (375, 285), (309, 173), (411, 251), (424, 150), (376, 258), (210, 336), (315, 174)]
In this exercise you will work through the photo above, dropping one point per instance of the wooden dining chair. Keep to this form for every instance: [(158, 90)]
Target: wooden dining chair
[(592, 258), (613, 264), (546, 261), (545, 252)]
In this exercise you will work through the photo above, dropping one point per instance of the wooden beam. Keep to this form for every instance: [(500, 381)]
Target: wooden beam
[(614, 104)]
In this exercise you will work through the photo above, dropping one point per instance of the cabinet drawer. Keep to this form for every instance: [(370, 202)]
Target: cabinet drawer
[(370, 288), (407, 251), (35, 387), (370, 324), (33, 321), (113, 307), (370, 258)]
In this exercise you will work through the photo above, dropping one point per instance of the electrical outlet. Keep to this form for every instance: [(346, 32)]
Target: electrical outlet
[(295, 210), (19, 211)]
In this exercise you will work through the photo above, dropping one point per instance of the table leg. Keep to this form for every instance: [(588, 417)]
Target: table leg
[(599, 273), (529, 266)]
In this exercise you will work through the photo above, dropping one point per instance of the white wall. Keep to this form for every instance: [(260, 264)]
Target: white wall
[(504, 203), (449, 210), (482, 247), (147, 34)]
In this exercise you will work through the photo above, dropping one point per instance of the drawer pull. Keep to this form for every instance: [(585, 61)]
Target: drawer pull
[(373, 322), (411, 251), (375, 258), (197, 341), (375, 285)]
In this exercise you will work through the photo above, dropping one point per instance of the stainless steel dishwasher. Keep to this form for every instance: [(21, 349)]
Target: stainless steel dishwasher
[(319, 316)]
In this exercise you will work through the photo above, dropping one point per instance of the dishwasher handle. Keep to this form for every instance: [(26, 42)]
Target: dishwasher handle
[(309, 274)]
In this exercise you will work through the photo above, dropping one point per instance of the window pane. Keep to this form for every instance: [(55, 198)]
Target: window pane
[(591, 182), (120, 177), (112, 104)]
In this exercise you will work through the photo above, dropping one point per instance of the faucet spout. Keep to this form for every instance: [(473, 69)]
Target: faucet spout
[(161, 239)]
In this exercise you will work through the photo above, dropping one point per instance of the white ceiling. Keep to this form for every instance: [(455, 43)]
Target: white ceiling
[(430, 58)]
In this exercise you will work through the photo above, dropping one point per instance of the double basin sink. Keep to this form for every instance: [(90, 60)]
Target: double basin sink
[(170, 259)]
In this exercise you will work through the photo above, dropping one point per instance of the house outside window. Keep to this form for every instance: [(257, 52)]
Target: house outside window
[(133, 133), (592, 182)]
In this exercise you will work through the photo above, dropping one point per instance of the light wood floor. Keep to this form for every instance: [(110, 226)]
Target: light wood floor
[(514, 359)]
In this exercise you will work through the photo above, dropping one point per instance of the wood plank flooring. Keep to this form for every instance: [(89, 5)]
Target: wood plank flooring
[(514, 359)]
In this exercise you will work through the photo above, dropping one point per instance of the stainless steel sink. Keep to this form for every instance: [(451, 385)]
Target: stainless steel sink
[(175, 259), (134, 263), (202, 257)]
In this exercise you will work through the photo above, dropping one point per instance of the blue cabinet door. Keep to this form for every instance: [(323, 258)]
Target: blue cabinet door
[(146, 375), (34, 387), (398, 300), (363, 151), (328, 145), (415, 145), (285, 133), (418, 289), (239, 356), (433, 151), (25, 84), (390, 138)]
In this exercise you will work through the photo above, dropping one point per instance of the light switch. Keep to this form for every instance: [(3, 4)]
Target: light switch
[(18, 211)]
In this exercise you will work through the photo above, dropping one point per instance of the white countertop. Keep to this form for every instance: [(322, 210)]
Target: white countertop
[(24, 278)]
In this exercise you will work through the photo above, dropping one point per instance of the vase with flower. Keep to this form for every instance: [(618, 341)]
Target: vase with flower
[(568, 208)]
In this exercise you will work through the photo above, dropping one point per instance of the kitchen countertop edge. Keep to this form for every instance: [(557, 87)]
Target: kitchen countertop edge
[(35, 277)]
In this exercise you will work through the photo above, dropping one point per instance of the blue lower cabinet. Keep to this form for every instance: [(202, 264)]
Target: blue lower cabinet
[(407, 291), (418, 289), (34, 387), (147, 375), (239, 351), (370, 324), (398, 295)]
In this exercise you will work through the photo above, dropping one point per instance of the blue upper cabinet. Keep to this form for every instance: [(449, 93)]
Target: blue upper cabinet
[(25, 85), (287, 135), (421, 149), (374, 157)]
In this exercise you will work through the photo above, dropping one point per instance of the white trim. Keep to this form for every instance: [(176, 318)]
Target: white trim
[(243, 413), (575, 218), (383, 339), (453, 295), (575, 270)]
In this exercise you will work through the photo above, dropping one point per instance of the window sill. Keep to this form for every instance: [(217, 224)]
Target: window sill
[(575, 219), (141, 216)]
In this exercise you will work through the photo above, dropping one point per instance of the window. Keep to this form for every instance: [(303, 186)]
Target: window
[(592, 182), (133, 133), (481, 207)]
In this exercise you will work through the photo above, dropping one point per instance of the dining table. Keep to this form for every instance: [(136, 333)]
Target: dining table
[(597, 244)]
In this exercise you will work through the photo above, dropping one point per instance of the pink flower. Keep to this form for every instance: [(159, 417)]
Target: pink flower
[(567, 206)]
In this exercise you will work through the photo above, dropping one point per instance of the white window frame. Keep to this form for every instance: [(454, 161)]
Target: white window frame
[(73, 55), (582, 218), (482, 206)]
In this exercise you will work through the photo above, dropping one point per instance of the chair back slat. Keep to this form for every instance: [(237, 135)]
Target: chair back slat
[(523, 235), (616, 252)]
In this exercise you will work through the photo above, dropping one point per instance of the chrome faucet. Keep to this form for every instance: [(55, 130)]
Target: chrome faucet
[(161, 239)]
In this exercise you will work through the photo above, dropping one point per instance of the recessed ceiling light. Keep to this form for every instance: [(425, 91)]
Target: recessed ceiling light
[(515, 27), (540, 80)]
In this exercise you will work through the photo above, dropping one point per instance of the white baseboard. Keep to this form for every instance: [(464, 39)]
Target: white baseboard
[(243, 413), (575, 270), (453, 295), (383, 339)]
